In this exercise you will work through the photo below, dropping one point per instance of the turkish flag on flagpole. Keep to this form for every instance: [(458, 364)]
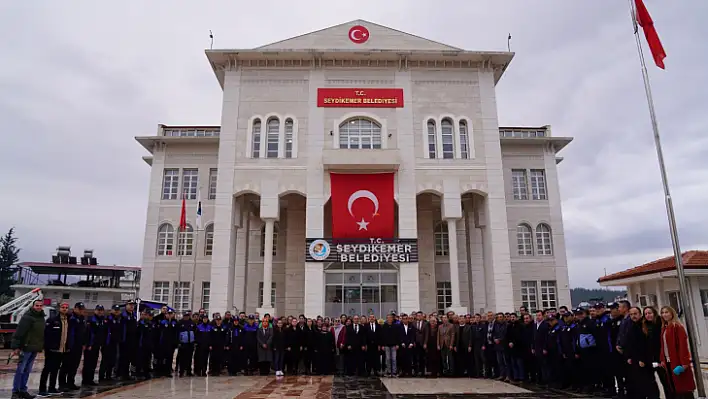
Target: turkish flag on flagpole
[(362, 205), (644, 20), (183, 215)]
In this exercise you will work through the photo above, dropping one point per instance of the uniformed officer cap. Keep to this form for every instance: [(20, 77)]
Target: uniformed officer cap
[(568, 314), (599, 305), (187, 313), (131, 302), (205, 316), (217, 317), (115, 307), (99, 307), (613, 305), (251, 316), (579, 311), (170, 311)]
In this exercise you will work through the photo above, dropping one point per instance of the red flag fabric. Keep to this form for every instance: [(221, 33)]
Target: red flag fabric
[(183, 216), (362, 205), (644, 20)]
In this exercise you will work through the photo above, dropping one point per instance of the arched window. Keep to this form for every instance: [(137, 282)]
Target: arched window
[(448, 139), (432, 140), (360, 133), (544, 244), (209, 240), (275, 239), (524, 239), (165, 240), (288, 138), (272, 138), (464, 140), (256, 139), (442, 239), (186, 241)]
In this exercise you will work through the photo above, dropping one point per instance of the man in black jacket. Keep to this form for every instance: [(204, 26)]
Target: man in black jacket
[(539, 349), (109, 352), (405, 355), (96, 338), (463, 356), (128, 343), (56, 345), (185, 353), (355, 344), (422, 330), (77, 340), (373, 346)]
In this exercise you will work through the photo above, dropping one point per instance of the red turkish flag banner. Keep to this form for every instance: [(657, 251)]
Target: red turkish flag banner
[(644, 20), (362, 205)]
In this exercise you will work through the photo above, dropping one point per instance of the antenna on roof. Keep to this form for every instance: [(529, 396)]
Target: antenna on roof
[(508, 43), (211, 37)]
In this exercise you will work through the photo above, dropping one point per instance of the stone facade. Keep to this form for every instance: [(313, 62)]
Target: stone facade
[(457, 199)]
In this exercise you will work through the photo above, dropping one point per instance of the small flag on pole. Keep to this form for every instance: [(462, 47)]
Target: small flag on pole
[(199, 209), (644, 20), (183, 215)]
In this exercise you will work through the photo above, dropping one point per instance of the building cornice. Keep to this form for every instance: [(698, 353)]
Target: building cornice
[(234, 59)]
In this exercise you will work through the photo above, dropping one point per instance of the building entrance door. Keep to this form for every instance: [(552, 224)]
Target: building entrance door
[(361, 289)]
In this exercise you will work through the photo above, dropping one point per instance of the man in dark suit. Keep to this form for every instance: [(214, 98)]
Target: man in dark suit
[(463, 357), (422, 330), (373, 346), (355, 343), (539, 347), (407, 346)]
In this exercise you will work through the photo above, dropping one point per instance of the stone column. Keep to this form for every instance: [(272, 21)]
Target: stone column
[(454, 265), (267, 306)]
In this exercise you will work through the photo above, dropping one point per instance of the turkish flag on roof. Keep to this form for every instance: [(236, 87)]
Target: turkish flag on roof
[(362, 205), (644, 20)]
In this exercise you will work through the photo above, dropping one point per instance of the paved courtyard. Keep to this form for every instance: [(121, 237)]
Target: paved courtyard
[(289, 387)]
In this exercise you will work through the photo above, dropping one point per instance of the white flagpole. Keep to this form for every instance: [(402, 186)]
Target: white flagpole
[(678, 257), (180, 253), (196, 246)]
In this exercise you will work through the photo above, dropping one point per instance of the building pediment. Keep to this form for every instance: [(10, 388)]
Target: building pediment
[(358, 35)]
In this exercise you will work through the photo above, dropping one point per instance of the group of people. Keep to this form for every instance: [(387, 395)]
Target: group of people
[(613, 351)]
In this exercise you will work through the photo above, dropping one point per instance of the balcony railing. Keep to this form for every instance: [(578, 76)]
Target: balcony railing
[(191, 132), (522, 133)]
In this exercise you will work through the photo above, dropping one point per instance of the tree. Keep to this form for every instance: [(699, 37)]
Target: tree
[(9, 256)]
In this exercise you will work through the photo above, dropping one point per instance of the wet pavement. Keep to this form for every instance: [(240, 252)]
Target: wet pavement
[(310, 387)]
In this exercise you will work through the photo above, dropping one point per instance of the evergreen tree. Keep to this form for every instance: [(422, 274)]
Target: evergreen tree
[(9, 256)]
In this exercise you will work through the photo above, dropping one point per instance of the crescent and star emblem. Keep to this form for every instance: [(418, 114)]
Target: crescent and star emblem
[(366, 194), (358, 34)]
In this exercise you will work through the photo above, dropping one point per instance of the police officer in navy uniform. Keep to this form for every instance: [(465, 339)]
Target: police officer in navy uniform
[(186, 344), (570, 361), (617, 363), (97, 335), (603, 322), (552, 352), (202, 338), (109, 351), (168, 340), (146, 338), (128, 342)]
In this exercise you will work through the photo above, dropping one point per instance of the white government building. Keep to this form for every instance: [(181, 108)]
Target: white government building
[(482, 200)]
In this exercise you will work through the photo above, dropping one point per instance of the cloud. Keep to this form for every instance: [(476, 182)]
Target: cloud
[(79, 82)]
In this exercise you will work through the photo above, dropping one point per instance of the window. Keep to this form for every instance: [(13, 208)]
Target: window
[(272, 138), (181, 300), (256, 139), (288, 138), (260, 294), (704, 302), (448, 141), (275, 239), (442, 239), (544, 245), (444, 295), (190, 182), (548, 295), (170, 184), (209, 240), (212, 183), (519, 184), (165, 240), (464, 141), (161, 291), (186, 241), (675, 301), (524, 239), (206, 294), (360, 133), (91, 297), (432, 140), (528, 295), (538, 184)]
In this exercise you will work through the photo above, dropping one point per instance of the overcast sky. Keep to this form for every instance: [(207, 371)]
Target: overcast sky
[(78, 83)]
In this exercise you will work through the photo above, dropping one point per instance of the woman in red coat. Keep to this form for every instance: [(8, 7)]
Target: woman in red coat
[(675, 356)]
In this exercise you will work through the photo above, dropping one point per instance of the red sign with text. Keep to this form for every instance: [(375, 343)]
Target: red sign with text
[(359, 98)]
